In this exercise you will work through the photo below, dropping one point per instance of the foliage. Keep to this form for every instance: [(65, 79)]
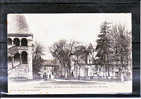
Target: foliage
[(103, 47), (37, 59), (62, 51), (122, 45), (67, 52), (113, 48)]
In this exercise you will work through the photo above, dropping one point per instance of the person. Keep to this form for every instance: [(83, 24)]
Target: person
[(44, 76), (122, 76)]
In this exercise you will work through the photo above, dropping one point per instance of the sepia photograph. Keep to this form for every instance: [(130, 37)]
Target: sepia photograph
[(69, 53)]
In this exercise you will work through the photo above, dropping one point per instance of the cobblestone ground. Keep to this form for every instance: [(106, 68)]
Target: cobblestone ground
[(69, 87)]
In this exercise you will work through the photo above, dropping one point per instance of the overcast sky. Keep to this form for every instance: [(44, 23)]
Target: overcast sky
[(49, 28)]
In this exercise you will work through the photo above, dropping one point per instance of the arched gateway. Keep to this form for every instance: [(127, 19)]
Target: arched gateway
[(20, 55)]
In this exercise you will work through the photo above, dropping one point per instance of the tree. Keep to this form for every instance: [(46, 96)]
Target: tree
[(81, 56), (62, 51), (37, 59), (71, 56), (103, 47), (122, 47)]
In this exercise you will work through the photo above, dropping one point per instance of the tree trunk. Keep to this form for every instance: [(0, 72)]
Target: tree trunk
[(79, 73)]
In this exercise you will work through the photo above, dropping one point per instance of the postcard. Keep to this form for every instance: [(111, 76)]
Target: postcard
[(69, 53)]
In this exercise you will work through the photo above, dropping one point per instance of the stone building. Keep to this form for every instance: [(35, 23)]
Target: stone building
[(20, 49)]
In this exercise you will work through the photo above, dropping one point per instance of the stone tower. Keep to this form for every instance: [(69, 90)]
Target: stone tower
[(20, 49)]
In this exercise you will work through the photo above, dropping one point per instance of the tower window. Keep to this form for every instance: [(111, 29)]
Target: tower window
[(9, 41), (17, 42), (24, 42)]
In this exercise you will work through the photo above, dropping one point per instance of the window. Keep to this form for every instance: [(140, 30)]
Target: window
[(24, 57), (24, 42), (17, 59), (9, 41), (17, 42)]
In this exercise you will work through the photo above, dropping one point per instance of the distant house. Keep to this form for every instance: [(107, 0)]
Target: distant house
[(82, 68), (49, 69)]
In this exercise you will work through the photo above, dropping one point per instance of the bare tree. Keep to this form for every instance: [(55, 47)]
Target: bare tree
[(62, 51), (122, 47)]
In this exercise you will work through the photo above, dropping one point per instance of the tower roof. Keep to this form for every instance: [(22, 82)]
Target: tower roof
[(17, 24)]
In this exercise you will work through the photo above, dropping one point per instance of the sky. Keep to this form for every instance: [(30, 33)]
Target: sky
[(83, 27)]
